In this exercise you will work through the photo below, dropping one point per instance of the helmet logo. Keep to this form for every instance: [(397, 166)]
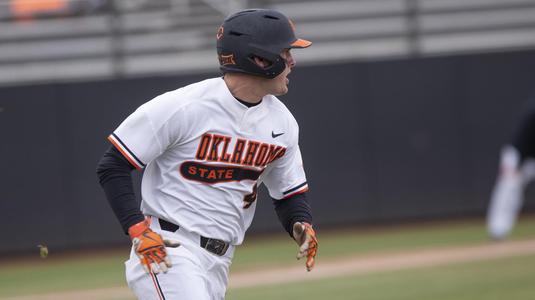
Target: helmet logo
[(219, 34), (226, 59)]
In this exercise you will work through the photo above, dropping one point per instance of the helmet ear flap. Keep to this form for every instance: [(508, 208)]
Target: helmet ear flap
[(260, 61), (276, 63)]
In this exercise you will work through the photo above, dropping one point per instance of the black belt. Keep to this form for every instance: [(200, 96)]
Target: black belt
[(217, 247)]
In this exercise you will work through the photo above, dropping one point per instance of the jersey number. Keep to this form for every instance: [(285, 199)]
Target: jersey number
[(250, 198)]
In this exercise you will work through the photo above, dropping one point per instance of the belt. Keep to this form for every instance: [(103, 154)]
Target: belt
[(215, 246)]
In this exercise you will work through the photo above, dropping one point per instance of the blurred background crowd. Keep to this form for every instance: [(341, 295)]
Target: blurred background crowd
[(45, 40)]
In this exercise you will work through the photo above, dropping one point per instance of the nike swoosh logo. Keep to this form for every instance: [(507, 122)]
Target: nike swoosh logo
[(274, 135)]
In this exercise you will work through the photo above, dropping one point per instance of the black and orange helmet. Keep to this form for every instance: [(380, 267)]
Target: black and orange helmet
[(262, 33)]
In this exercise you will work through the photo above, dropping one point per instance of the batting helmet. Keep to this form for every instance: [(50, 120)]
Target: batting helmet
[(262, 33)]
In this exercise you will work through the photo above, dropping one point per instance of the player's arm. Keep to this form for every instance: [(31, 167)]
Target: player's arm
[(114, 173), (296, 217), (292, 210), (287, 185)]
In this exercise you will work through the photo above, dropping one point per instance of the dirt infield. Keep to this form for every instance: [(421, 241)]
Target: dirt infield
[(362, 264)]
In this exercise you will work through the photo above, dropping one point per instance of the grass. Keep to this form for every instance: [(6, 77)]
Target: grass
[(510, 278), (80, 272), (99, 271), (279, 251)]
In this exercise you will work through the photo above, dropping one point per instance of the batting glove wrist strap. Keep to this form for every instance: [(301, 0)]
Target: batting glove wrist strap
[(138, 229), (305, 236)]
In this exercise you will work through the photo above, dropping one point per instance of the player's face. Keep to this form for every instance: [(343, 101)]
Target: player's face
[(279, 85)]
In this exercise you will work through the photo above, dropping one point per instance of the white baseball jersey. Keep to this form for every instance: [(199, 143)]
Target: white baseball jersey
[(205, 153)]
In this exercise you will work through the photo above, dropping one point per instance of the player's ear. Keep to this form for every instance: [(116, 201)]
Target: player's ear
[(262, 63)]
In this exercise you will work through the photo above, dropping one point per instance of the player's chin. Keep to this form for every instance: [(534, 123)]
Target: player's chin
[(279, 85), (281, 90), (283, 86)]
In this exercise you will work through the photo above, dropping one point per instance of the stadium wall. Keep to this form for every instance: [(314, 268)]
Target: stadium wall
[(382, 141)]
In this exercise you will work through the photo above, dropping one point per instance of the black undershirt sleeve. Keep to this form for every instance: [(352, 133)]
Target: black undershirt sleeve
[(113, 171), (292, 210)]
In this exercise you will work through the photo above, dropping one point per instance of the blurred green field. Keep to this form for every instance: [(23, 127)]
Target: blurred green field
[(508, 277)]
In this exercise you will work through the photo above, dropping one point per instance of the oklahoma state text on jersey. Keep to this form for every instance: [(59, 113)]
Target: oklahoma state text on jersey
[(215, 148)]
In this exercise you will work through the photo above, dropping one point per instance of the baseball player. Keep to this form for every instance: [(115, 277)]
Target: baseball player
[(205, 148), (517, 169)]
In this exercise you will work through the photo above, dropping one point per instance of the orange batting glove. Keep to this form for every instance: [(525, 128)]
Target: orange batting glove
[(150, 248), (305, 236)]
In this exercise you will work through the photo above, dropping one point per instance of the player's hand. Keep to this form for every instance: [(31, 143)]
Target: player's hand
[(305, 236), (150, 248)]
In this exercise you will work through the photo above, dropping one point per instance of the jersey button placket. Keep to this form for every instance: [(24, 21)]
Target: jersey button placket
[(245, 122)]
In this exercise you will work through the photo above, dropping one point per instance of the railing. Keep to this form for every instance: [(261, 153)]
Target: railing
[(125, 38)]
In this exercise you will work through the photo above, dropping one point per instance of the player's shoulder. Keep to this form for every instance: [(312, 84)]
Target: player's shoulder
[(185, 96), (194, 91)]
